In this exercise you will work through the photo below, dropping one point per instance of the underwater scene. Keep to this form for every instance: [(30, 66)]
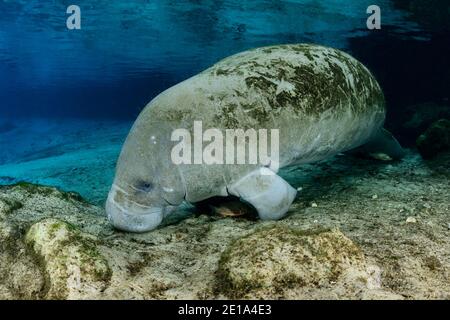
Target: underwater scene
[(225, 149)]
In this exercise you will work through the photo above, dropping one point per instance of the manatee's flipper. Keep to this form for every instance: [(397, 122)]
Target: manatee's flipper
[(268, 193), (382, 146)]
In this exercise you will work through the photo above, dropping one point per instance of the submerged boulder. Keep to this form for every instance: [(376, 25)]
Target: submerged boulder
[(269, 261), (435, 140), (71, 260)]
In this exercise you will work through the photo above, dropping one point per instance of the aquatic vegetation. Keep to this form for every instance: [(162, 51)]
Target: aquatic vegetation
[(8, 206), (419, 117), (432, 14), (330, 103), (435, 140)]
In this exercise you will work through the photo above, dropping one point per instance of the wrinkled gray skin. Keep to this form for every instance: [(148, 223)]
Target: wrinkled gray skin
[(322, 101)]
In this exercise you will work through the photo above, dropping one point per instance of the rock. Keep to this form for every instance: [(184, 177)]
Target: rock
[(314, 205), (227, 207), (415, 119), (411, 220), (71, 260), (434, 15), (271, 260), (20, 276), (435, 140)]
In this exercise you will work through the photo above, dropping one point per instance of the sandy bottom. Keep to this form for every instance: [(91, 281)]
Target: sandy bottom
[(397, 213)]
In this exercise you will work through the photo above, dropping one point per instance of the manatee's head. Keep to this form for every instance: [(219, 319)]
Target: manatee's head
[(147, 185)]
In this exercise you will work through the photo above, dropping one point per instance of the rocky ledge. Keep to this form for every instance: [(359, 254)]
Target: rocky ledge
[(358, 230)]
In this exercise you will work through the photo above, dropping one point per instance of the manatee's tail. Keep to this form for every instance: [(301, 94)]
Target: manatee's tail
[(382, 146)]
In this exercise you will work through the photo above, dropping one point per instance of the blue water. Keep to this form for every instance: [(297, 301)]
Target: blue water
[(128, 51), (65, 92)]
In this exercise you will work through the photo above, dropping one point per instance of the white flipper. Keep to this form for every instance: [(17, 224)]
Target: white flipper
[(267, 192)]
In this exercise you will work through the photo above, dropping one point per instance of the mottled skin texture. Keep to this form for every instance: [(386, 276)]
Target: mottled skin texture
[(322, 101)]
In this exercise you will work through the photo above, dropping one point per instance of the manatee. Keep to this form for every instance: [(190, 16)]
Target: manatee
[(321, 100)]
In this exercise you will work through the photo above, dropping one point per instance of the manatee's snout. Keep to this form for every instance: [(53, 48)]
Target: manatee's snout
[(130, 216)]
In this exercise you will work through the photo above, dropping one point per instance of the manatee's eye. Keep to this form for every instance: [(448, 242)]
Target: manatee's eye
[(144, 186)]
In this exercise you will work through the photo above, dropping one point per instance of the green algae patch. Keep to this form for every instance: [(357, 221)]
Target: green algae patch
[(273, 259), (33, 188), (297, 80), (36, 189), (8, 206), (70, 258)]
